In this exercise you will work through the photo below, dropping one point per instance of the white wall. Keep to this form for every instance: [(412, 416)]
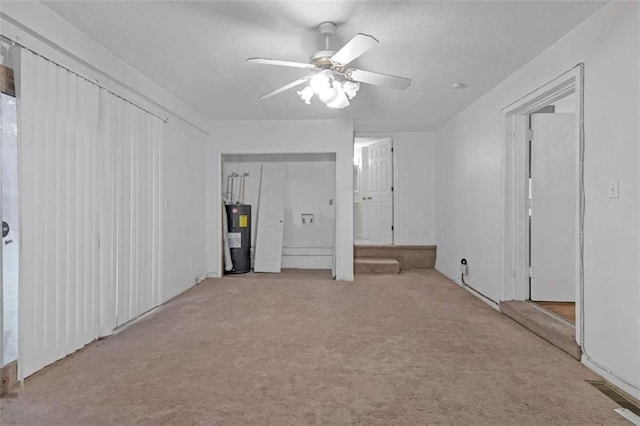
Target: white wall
[(301, 136), (183, 151), (470, 187), (311, 184), (414, 188), (183, 218)]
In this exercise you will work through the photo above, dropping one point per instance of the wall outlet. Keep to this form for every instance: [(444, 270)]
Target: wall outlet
[(613, 189)]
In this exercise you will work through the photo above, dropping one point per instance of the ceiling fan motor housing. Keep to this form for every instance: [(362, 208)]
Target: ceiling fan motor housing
[(322, 58)]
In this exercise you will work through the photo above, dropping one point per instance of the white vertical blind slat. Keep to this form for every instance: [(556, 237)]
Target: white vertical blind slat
[(71, 202), (124, 286), (108, 218), (60, 279), (157, 212), (95, 209), (90, 211), (49, 121), (134, 284), (27, 318)]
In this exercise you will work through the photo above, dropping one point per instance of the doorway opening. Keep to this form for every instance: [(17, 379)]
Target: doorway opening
[(373, 191), (286, 203), (552, 222), (544, 199), (9, 249)]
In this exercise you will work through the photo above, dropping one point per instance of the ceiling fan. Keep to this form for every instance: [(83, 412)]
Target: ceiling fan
[(330, 79)]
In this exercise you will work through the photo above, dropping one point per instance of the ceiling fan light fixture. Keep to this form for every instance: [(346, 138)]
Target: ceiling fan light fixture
[(331, 80), (306, 94), (350, 88), (321, 81), (328, 95), (340, 100)]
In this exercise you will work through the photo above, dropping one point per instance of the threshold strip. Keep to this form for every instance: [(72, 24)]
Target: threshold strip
[(616, 396)]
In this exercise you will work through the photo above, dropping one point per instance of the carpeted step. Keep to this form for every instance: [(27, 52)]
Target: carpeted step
[(554, 330), (370, 265), (410, 257)]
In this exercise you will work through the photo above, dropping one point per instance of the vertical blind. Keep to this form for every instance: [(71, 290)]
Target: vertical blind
[(89, 166), (131, 169)]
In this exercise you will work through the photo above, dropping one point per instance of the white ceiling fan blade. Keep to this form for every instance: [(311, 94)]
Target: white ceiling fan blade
[(378, 79), (266, 61), (286, 87), (357, 46)]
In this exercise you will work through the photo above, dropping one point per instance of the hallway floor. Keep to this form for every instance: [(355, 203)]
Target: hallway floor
[(297, 348), (566, 310)]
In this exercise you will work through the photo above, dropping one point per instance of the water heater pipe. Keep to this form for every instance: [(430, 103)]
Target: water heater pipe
[(242, 187)]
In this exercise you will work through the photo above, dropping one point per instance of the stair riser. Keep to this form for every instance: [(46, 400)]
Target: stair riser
[(544, 326), (409, 256), (376, 269)]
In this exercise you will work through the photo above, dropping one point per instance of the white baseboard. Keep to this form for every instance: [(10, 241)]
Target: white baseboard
[(457, 280), (307, 262), (610, 377), (305, 257), (629, 415)]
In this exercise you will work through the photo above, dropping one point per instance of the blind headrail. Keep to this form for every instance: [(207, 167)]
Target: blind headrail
[(93, 81)]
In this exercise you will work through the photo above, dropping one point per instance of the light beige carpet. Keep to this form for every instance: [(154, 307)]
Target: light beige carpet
[(298, 348)]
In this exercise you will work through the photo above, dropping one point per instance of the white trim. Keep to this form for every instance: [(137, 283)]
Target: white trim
[(2, 265), (610, 377), (337, 267), (137, 319), (307, 250), (515, 286), (485, 299), (629, 415), (307, 257), (218, 205)]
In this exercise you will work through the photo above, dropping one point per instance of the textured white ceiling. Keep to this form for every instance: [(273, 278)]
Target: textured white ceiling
[(197, 50)]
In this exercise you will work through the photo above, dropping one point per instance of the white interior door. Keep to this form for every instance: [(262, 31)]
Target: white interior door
[(379, 198), (270, 225), (364, 190), (358, 220), (554, 207)]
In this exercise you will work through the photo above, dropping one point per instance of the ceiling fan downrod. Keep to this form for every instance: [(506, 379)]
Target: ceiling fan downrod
[(327, 29), (322, 58)]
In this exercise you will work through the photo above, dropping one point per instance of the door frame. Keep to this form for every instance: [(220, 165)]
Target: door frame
[(394, 177), (1, 273), (515, 160), (218, 192)]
